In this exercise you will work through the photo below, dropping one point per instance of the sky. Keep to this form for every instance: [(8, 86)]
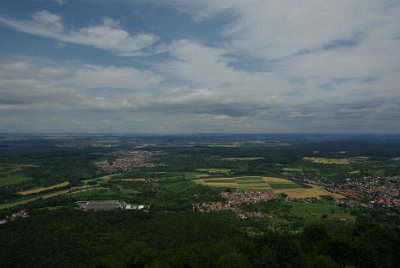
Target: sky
[(191, 66)]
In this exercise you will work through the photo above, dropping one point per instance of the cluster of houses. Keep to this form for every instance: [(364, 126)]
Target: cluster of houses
[(127, 160), (233, 203), (16, 215), (109, 205), (369, 191)]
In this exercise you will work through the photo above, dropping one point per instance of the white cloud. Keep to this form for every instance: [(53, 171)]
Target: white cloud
[(117, 77), (108, 35), (303, 42), (210, 67), (36, 83), (282, 66)]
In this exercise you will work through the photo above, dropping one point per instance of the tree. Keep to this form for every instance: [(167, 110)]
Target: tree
[(233, 260)]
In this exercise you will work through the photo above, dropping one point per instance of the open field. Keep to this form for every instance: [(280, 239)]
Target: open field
[(9, 174), (94, 192), (260, 179), (241, 183), (214, 170), (321, 160), (292, 169), (276, 180), (335, 161), (284, 186), (193, 175), (13, 179), (31, 199), (42, 189), (108, 177), (277, 185), (178, 187), (315, 211), (133, 179), (250, 182), (313, 191), (243, 158), (221, 181)]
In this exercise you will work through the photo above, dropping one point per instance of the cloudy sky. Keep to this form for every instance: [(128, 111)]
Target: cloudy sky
[(200, 66)]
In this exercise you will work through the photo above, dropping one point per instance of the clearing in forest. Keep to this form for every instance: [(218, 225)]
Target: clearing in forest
[(133, 179), (42, 189), (241, 183), (243, 158), (321, 160)]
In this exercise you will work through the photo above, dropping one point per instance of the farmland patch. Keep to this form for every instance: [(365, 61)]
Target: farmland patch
[(42, 189)]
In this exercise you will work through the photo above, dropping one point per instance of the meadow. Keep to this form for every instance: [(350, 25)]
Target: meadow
[(317, 211), (11, 174)]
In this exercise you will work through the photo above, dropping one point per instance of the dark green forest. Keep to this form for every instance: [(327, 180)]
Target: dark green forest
[(70, 238)]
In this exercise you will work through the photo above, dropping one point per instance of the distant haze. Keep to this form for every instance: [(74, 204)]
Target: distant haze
[(209, 66)]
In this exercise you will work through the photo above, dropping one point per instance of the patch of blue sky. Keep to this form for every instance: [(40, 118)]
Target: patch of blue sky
[(250, 64), (355, 40), (339, 81), (296, 93)]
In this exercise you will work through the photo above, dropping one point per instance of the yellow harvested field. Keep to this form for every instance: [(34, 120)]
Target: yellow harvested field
[(242, 183), (133, 179), (108, 177), (88, 189), (314, 191), (42, 189), (281, 185), (243, 158)]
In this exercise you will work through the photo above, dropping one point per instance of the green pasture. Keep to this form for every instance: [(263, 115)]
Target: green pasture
[(316, 211), (11, 174), (284, 186)]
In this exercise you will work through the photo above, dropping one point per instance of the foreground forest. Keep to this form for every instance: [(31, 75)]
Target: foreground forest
[(70, 238), (42, 178)]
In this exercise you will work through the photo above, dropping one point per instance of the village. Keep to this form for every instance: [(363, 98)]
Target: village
[(23, 213), (127, 160), (233, 203), (369, 191)]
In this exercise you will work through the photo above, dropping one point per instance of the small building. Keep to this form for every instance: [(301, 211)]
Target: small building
[(20, 214)]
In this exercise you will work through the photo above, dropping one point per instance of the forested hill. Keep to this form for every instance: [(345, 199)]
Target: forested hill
[(70, 238)]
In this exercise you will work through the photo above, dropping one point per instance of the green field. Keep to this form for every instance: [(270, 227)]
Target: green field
[(240, 183), (248, 178), (13, 179), (251, 182), (316, 211), (11, 174), (277, 185), (221, 181), (181, 186), (285, 186)]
